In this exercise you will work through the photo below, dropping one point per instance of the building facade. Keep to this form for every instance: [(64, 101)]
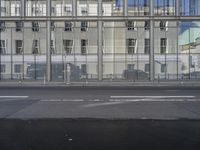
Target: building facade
[(98, 40)]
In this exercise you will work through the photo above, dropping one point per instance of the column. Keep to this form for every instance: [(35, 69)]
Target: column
[(178, 8), (151, 57), (125, 7), (0, 16), (23, 8), (74, 8), (100, 40), (48, 42), (177, 34)]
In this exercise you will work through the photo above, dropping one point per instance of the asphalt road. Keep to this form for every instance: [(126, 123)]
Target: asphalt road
[(167, 103), (83, 134), (99, 118)]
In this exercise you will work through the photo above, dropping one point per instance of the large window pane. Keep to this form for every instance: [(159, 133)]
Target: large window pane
[(190, 7), (138, 8), (164, 7), (10, 8), (36, 7)]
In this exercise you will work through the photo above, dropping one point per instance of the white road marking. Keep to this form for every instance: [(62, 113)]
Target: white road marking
[(62, 100), (14, 96), (95, 100), (154, 100), (101, 104), (7, 100), (152, 96)]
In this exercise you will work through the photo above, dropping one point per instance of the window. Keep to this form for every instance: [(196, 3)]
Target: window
[(191, 61), (68, 26), (68, 45), (18, 68), (67, 10), (19, 26), (147, 46), (19, 47), (146, 10), (131, 45), (52, 45), (147, 68), (3, 68), (84, 44), (84, 26), (52, 26), (35, 26), (36, 49), (163, 25), (146, 25), (2, 46), (163, 68), (130, 66), (83, 69), (84, 11), (3, 10), (36, 11), (131, 25), (163, 45), (17, 11), (53, 11), (2, 26)]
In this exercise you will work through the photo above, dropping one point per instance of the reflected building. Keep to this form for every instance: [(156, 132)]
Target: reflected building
[(98, 40)]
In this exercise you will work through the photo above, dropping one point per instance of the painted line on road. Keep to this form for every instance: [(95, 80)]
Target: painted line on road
[(62, 100), (95, 100), (152, 96), (7, 100), (14, 96), (101, 104), (154, 100)]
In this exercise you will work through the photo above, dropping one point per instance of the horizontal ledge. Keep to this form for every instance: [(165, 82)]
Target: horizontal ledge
[(103, 18)]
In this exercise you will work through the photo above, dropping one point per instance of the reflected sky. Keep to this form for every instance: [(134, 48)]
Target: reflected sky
[(189, 32)]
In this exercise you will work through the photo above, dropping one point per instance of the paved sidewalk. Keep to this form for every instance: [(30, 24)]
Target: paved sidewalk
[(102, 84)]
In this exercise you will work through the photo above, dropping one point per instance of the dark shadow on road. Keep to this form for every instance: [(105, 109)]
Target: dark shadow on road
[(99, 134)]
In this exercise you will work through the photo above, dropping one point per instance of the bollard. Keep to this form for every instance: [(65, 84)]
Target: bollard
[(68, 73), (44, 79)]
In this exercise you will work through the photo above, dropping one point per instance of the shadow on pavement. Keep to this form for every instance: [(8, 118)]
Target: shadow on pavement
[(97, 134)]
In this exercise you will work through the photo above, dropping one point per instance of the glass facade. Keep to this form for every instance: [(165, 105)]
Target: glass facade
[(99, 40)]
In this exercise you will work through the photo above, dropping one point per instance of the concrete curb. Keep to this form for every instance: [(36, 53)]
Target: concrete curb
[(101, 84)]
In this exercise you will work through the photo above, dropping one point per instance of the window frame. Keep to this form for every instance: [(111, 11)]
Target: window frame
[(163, 45), (147, 68), (35, 26), (19, 26), (131, 25), (36, 47), (17, 49), (3, 47), (2, 26), (68, 48), (68, 26), (84, 46), (2, 68), (18, 68), (131, 45), (147, 25), (84, 26), (83, 69), (163, 68), (146, 46)]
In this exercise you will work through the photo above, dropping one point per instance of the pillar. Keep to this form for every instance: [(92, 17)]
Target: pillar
[(151, 57), (100, 41), (48, 42)]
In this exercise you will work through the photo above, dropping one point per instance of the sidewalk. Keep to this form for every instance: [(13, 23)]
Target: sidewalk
[(101, 84)]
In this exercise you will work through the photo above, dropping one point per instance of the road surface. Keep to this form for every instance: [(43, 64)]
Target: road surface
[(100, 102)]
